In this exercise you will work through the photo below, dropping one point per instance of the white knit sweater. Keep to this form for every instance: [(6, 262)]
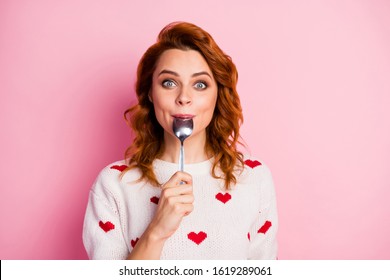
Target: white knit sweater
[(239, 224)]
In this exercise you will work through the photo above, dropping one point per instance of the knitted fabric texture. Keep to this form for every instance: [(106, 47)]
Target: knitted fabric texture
[(240, 223)]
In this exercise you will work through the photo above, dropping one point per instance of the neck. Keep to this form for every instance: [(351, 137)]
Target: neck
[(194, 149)]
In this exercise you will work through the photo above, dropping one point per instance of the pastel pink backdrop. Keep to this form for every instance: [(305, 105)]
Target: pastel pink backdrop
[(314, 83)]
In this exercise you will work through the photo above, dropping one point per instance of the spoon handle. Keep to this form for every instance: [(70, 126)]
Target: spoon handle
[(181, 158)]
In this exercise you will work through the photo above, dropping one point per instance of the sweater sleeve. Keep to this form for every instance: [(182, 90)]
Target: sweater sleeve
[(262, 235), (102, 232)]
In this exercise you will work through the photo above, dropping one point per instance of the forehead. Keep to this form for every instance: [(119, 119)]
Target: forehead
[(182, 61)]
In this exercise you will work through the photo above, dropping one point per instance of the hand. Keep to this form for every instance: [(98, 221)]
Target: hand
[(176, 201)]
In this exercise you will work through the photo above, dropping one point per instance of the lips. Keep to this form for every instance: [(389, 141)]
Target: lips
[(183, 116)]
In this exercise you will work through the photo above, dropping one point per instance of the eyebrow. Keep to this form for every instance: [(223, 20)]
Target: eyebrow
[(177, 75)]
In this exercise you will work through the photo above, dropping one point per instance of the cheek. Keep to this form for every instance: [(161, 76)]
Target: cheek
[(159, 112), (159, 103), (210, 105), (208, 112), (162, 113)]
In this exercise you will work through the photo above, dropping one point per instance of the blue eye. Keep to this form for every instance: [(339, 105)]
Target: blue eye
[(200, 85), (168, 84)]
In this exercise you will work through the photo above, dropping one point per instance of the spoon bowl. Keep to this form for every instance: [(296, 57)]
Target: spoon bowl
[(182, 128)]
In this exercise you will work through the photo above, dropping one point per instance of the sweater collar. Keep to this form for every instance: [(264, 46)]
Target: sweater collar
[(198, 168)]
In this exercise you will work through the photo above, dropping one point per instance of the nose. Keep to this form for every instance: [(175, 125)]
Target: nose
[(184, 97)]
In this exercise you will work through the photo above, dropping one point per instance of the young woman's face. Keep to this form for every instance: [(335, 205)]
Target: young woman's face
[(183, 87)]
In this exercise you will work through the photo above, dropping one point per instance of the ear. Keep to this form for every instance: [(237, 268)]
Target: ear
[(150, 97)]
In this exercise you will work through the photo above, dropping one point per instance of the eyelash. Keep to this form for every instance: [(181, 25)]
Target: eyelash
[(167, 81), (201, 82), (205, 85), (164, 84)]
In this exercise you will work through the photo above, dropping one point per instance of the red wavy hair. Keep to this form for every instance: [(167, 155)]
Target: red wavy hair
[(223, 131)]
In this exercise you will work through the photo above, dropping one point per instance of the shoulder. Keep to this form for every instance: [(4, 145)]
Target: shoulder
[(111, 177), (112, 171), (257, 174), (256, 166)]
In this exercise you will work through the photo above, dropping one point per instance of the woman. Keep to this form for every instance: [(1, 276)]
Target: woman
[(223, 205)]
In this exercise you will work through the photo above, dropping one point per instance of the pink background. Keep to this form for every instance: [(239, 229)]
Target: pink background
[(314, 84)]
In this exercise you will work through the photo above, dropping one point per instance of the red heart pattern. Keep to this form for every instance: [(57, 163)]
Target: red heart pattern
[(223, 197), (119, 167), (252, 163), (154, 199), (197, 237), (107, 226), (134, 242), (264, 228)]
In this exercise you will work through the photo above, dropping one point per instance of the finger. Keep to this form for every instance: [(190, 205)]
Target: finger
[(177, 178), (180, 178), (188, 208), (183, 199), (177, 191), (183, 208)]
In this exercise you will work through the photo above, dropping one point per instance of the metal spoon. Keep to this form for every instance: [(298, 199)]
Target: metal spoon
[(182, 129)]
